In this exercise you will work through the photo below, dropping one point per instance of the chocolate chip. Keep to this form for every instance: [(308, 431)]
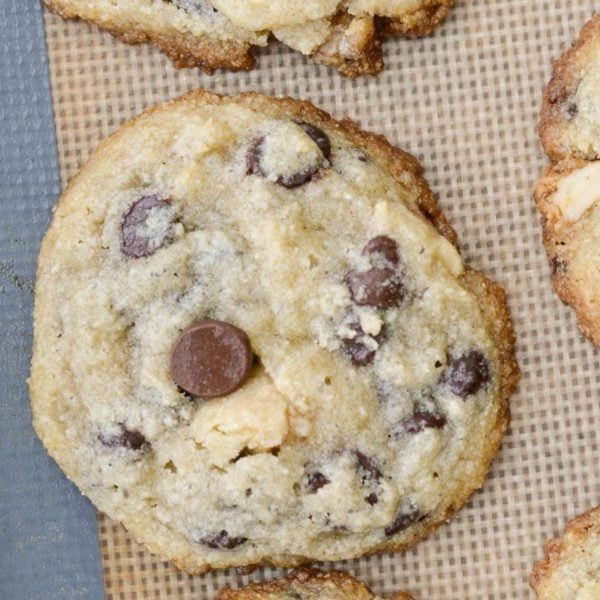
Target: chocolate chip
[(131, 439), (383, 246), (297, 179), (382, 285), (137, 240), (403, 520), (558, 265), (467, 374), (572, 110), (222, 540), (378, 287), (369, 469), (255, 154), (254, 166), (315, 481), (254, 157), (211, 358), (423, 420), (372, 499), (318, 136), (357, 349)]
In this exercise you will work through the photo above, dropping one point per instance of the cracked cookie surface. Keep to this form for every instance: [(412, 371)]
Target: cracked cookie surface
[(570, 569), (357, 384), (214, 34), (568, 193)]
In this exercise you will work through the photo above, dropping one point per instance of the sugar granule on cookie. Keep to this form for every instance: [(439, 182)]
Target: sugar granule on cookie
[(308, 584), (214, 34), (570, 569), (257, 342)]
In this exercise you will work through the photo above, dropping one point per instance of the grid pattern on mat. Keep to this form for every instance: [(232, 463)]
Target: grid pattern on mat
[(465, 101)]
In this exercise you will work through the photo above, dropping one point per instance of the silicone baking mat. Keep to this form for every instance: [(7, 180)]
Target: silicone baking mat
[(465, 101)]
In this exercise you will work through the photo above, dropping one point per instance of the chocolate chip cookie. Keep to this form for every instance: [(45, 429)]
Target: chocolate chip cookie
[(570, 569), (308, 584), (567, 194), (214, 34), (570, 117), (256, 341)]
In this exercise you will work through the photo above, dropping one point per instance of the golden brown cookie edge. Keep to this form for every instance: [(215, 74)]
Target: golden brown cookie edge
[(576, 530), (566, 289)]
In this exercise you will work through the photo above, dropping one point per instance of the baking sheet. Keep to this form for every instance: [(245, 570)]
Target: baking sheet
[(48, 543), (465, 101)]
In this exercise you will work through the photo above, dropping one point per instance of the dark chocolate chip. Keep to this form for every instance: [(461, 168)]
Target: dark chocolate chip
[(372, 499), (368, 467), (467, 374), (211, 358), (297, 179), (254, 156), (254, 167), (377, 287), (572, 110), (222, 540), (360, 354), (318, 136), (315, 481), (135, 242), (383, 246), (128, 438), (403, 520), (421, 420)]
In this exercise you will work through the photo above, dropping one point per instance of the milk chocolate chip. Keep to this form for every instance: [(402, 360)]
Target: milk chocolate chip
[(318, 136), (368, 468), (131, 439), (467, 374), (360, 353), (403, 520), (147, 226), (315, 481), (255, 154), (222, 540), (211, 358), (382, 246), (382, 285), (422, 420)]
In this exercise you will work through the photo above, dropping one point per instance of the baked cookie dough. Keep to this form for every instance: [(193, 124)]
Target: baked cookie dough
[(567, 195), (570, 117), (214, 34), (570, 569), (308, 584), (256, 342), (568, 198)]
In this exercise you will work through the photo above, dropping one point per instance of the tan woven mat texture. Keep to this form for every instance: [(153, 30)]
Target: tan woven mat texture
[(464, 101)]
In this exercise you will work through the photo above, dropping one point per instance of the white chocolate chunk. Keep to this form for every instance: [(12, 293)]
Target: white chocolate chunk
[(578, 191), (254, 417)]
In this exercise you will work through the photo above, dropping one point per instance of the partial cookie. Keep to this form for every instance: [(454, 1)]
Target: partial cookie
[(255, 341), (568, 198), (308, 584), (214, 34), (570, 118), (570, 569)]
